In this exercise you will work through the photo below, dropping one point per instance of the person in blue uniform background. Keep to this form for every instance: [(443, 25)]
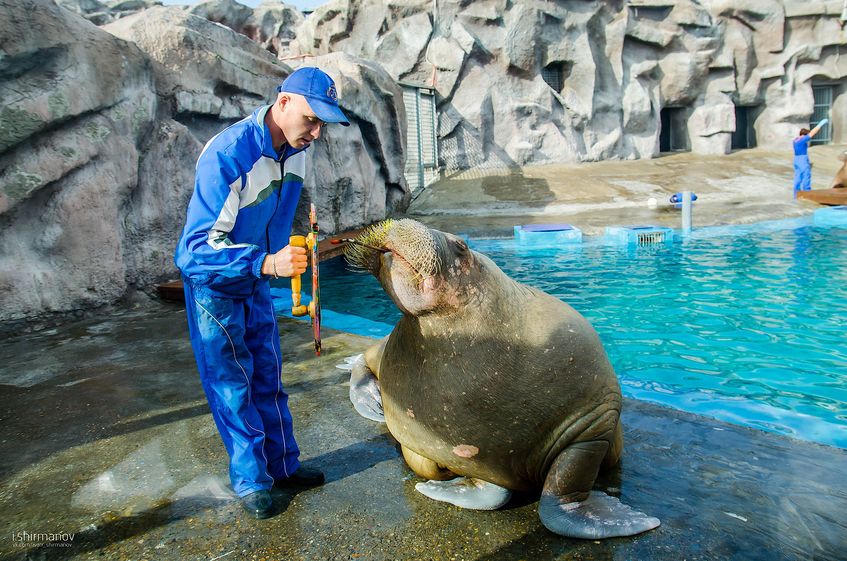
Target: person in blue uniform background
[(802, 166), (239, 219)]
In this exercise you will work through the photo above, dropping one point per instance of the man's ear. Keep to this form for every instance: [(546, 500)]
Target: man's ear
[(283, 100)]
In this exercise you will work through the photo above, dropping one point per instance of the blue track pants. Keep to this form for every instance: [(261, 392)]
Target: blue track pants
[(236, 344), (802, 174)]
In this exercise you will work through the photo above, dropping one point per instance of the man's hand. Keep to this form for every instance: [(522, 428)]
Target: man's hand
[(289, 261)]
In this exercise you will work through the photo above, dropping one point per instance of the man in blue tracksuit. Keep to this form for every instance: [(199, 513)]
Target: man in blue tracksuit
[(248, 182), (802, 166)]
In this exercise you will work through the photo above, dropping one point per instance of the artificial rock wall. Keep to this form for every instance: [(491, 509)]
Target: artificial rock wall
[(619, 63), (100, 128)]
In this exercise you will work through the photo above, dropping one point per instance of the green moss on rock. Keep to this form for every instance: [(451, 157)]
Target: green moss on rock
[(96, 132), (58, 105), (19, 184), (16, 125)]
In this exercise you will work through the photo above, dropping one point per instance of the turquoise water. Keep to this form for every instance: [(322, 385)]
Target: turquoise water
[(747, 325)]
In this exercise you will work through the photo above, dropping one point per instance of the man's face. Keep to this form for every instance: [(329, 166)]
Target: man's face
[(297, 121)]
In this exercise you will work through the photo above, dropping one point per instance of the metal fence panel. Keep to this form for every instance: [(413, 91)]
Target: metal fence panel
[(412, 163), (422, 137), (823, 104)]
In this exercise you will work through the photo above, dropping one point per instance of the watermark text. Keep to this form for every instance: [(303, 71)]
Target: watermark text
[(43, 539)]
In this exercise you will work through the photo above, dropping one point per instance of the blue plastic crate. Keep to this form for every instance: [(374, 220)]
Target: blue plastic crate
[(830, 216), (547, 234), (639, 235)]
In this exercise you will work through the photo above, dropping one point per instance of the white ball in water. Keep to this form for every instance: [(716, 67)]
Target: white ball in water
[(652, 202)]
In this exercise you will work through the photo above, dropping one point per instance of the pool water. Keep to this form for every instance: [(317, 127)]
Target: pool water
[(747, 325)]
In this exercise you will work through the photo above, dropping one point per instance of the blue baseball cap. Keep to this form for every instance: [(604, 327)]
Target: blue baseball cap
[(319, 90)]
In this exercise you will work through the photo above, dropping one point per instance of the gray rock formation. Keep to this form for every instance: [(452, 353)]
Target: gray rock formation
[(209, 75), (100, 130), (102, 12), (76, 105), (212, 76), (355, 174), (611, 69), (271, 23)]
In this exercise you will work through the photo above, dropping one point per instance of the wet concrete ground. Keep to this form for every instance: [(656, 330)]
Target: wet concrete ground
[(106, 435)]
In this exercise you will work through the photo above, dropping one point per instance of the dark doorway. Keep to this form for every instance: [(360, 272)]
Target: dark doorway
[(673, 136), (744, 135)]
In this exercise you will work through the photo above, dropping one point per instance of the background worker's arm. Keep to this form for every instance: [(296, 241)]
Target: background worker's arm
[(289, 261), (818, 128)]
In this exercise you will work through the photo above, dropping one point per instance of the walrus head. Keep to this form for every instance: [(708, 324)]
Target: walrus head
[(422, 270)]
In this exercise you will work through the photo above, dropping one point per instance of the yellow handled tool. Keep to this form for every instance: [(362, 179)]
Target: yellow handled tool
[(310, 242)]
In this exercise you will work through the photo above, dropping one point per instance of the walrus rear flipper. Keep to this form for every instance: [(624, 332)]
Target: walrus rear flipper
[(466, 492), (569, 508)]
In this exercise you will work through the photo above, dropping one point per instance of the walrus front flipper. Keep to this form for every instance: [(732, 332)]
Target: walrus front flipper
[(569, 508), (466, 492), (364, 392)]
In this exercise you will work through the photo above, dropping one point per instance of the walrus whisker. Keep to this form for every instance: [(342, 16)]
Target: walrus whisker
[(414, 239), (357, 242), (418, 275)]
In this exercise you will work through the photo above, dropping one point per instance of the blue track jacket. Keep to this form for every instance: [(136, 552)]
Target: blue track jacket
[(243, 205)]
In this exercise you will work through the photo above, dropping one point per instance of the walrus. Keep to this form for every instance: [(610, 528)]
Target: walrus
[(490, 386)]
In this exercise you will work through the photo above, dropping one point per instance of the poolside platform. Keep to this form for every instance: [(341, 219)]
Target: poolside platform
[(107, 436), (743, 187), (831, 197)]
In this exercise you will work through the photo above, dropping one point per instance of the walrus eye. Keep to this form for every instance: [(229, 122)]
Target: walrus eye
[(461, 245)]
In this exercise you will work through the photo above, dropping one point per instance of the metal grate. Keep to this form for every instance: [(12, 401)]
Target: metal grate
[(553, 74), (639, 235), (823, 104), (651, 238), (421, 136)]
